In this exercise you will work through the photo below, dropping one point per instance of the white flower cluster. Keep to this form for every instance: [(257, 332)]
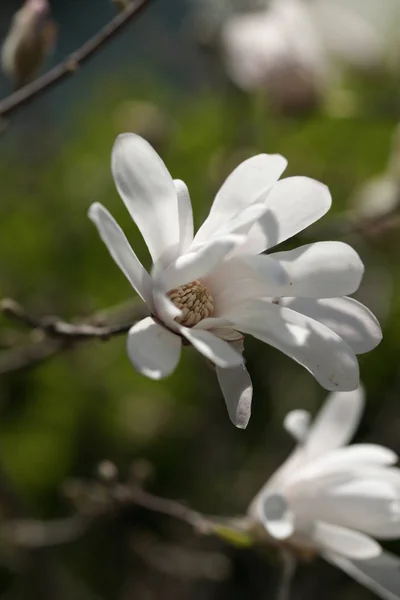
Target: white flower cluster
[(212, 288)]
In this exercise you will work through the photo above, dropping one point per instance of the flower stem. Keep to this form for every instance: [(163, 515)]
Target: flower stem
[(288, 570)]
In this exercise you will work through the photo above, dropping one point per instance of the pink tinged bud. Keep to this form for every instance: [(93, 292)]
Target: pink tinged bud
[(29, 41)]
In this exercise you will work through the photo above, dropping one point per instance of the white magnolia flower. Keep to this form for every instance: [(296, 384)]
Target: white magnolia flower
[(206, 288), (290, 47), (335, 499)]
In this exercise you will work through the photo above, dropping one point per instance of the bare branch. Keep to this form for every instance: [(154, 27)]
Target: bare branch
[(73, 62), (50, 335), (102, 503)]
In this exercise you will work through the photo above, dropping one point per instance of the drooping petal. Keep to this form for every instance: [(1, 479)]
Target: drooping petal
[(185, 215), (153, 350), (197, 264), (149, 193), (293, 204), (345, 542), (335, 423), (350, 319), (317, 348), (245, 185), (237, 389), (319, 270), (221, 353), (380, 574), (122, 253)]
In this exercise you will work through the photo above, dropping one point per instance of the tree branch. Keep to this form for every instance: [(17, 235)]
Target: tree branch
[(101, 503), (71, 64), (50, 335)]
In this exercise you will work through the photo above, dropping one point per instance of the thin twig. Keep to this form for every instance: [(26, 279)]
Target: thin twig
[(171, 508), (50, 335), (35, 534), (71, 64)]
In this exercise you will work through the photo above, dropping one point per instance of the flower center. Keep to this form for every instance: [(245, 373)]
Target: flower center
[(195, 302)]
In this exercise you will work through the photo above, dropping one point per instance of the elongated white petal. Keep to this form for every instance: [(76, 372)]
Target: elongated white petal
[(237, 389), (199, 263), (221, 353), (153, 350), (293, 204), (245, 185), (367, 503), (381, 574), (347, 459), (345, 542), (149, 193), (335, 423), (319, 270), (350, 319), (122, 253), (185, 215), (317, 348)]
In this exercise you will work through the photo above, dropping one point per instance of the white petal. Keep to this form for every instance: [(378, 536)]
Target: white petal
[(121, 251), (237, 389), (277, 517), (369, 504), (198, 264), (236, 281), (148, 191), (350, 319), (366, 503), (381, 574), (345, 542), (319, 270), (164, 308), (221, 353), (239, 224), (245, 185), (335, 423), (185, 215), (297, 423), (293, 204), (317, 348), (345, 460), (153, 350)]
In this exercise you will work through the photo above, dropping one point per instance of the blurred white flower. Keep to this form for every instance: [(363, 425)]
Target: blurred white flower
[(334, 499), (290, 47), (30, 39), (205, 289)]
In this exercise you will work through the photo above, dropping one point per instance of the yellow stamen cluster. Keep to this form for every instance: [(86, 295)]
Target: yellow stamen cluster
[(195, 302)]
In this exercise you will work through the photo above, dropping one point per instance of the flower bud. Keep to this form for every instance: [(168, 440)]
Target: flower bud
[(29, 41)]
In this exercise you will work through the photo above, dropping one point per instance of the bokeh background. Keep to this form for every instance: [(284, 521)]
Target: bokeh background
[(163, 78)]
